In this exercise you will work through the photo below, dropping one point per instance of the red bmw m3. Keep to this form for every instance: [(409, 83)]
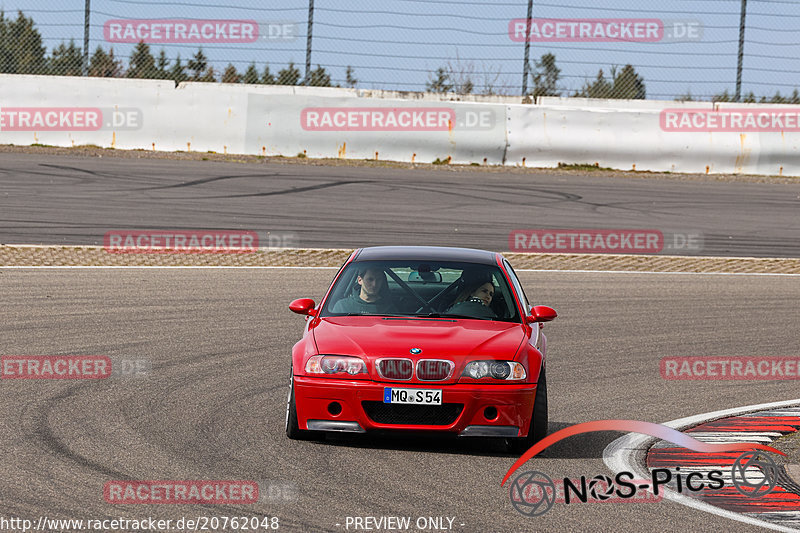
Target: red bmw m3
[(421, 339)]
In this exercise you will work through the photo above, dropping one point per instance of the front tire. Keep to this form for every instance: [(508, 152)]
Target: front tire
[(293, 430), (539, 420)]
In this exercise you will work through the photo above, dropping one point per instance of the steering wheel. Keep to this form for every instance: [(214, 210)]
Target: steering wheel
[(410, 291), (441, 294)]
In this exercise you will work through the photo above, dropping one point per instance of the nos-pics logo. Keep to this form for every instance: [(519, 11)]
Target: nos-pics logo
[(533, 493)]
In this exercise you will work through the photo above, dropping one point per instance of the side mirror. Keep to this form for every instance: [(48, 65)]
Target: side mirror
[(303, 306), (541, 313)]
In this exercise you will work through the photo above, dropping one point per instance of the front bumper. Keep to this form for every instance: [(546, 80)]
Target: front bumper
[(485, 410)]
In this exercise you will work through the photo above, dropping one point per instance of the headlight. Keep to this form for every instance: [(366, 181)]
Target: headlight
[(505, 370), (336, 364)]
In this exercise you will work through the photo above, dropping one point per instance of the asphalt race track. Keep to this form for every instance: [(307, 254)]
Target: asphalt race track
[(76, 200), (215, 342), (212, 404)]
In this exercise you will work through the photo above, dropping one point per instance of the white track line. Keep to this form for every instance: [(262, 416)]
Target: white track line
[(660, 272), (207, 267), (620, 455)]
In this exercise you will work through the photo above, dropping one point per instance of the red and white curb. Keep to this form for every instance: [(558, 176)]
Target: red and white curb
[(764, 423)]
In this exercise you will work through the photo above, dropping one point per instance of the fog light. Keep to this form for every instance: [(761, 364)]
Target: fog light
[(335, 408), (490, 413)]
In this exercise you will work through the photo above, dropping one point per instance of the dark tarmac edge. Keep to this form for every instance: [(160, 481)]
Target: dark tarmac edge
[(790, 445), (31, 255), (91, 151)]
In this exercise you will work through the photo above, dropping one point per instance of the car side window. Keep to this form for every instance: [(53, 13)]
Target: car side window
[(517, 286), (343, 289)]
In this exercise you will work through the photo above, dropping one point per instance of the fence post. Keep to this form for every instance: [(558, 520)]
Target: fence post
[(308, 39), (87, 12), (741, 52), (526, 67)]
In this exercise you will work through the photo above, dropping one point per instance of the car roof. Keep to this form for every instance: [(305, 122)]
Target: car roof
[(426, 253)]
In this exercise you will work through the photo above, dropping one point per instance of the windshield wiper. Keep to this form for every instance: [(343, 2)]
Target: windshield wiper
[(366, 314), (452, 315)]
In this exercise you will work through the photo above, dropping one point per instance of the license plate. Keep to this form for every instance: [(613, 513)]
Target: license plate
[(415, 396)]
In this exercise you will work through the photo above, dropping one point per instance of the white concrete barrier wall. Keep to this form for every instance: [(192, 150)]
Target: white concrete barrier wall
[(545, 136), (357, 128), (57, 110), (359, 124)]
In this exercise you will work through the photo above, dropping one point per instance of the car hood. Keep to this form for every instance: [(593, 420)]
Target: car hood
[(373, 337)]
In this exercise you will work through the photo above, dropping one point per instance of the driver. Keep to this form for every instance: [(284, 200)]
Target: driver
[(372, 298), (476, 297)]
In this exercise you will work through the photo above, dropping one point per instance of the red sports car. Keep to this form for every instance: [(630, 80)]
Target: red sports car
[(423, 339)]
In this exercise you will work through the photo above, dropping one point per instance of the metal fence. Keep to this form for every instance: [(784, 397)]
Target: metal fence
[(683, 49)]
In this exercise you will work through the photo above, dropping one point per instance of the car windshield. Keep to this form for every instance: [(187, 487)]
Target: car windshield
[(422, 289)]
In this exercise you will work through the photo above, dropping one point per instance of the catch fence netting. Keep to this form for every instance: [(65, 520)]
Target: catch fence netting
[(677, 50)]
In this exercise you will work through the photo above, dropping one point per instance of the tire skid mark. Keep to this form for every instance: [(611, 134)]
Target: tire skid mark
[(293, 190), (44, 435), (204, 181)]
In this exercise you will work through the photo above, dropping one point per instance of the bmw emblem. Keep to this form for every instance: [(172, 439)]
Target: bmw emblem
[(415, 351)]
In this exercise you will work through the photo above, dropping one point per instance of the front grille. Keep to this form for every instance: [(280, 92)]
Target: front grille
[(395, 368), (434, 369), (426, 415)]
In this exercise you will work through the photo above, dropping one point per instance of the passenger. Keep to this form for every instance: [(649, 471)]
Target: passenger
[(475, 298), (372, 298)]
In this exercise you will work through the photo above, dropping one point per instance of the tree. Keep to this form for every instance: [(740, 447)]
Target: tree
[(162, 64), (458, 76), (230, 75), (209, 76), (722, 97), (104, 65), (466, 88), (267, 78), (178, 72), (142, 63), (628, 84), (319, 78), (545, 77), (66, 60), (600, 88), (288, 76), (21, 48), (250, 75), (198, 65), (777, 99), (439, 82), (493, 81), (349, 78)]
